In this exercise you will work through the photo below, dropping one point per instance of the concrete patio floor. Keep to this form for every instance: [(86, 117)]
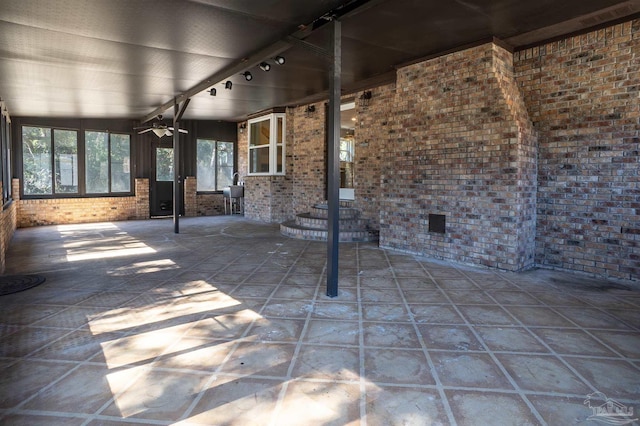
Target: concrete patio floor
[(227, 323)]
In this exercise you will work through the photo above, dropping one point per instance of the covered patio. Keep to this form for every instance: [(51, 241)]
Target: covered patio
[(227, 323)]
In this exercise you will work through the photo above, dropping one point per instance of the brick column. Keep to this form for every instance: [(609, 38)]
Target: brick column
[(142, 198), (190, 199)]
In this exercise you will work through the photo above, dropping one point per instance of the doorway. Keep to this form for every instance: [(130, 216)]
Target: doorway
[(161, 197), (347, 150)]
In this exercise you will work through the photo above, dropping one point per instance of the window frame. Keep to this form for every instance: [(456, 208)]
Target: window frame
[(5, 155), (216, 142), (276, 140), (81, 153), (110, 192)]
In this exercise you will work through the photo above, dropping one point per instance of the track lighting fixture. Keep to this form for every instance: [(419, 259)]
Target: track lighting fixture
[(212, 91), (265, 66), (310, 110), (228, 85), (279, 60), (247, 76)]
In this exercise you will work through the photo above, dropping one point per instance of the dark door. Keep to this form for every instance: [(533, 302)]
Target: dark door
[(161, 196)]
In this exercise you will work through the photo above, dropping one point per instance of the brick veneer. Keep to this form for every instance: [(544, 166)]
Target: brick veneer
[(461, 145), (35, 212), (583, 95), (8, 224)]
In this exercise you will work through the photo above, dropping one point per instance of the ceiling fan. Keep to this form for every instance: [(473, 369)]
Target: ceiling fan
[(159, 128)]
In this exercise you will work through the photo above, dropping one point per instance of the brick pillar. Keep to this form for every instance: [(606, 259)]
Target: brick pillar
[(142, 198), (190, 198), (15, 189)]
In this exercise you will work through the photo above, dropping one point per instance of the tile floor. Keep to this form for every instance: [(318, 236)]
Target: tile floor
[(227, 323)]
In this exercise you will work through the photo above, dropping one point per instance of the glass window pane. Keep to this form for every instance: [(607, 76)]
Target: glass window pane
[(279, 163), (260, 133), (225, 164), (280, 130), (65, 151), (164, 164), (36, 160), (120, 163), (259, 160), (205, 158), (97, 162)]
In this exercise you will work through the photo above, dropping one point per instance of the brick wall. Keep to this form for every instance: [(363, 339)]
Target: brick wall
[(190, 197), (583, 96), (373, 126), (460, 146), (36, 212), (8, 224), (267, 198)]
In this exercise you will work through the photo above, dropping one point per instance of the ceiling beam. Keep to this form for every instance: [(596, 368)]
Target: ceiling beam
[(349, 8)]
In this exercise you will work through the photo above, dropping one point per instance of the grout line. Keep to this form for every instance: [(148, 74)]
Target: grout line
[(296, 352), (423, 345)]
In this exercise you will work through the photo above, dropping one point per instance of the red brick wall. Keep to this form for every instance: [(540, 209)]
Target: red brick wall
[(36, 212), (583, 96), (460, 146)]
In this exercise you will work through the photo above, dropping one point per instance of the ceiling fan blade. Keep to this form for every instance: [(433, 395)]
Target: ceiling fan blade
[(145, 131), (179, 130)]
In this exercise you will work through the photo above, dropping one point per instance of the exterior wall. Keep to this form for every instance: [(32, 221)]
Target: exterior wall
[(461, 146), (35, 212), (372, 133), (583, 96), (267, 198), (8, 224)]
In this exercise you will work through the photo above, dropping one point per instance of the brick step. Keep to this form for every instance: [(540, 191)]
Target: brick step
[(310, 221), (321, 210), (293, 230)]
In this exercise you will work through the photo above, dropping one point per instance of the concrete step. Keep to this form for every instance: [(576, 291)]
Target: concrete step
[(293, 230), (310, 221), (321, 210)]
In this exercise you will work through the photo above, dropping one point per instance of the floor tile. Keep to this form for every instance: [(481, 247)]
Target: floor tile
[(397, 366), (449, 337), (538, 316), (435, 314), (394, 406), (33, 419), (488, 408), (594, 318), (329, 363), (626, 343), (158, 395), (332, 332), (510, 339), (385, 334), (287, 308), (262, 359), (25, 378), (487, 315), (386, 312), (196, 354), (242, 401), (276, 329), (542, 374), (84, 390), (563, 411), (616, 378), (335, 310), (28, 340), (327, 404), (469, 370), (572, 341)]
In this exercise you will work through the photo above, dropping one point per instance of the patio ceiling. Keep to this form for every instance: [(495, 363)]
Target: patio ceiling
[(125, 59)]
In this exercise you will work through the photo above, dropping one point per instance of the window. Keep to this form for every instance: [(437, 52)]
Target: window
[(267, 145), (53, 164), (5, 154), (215, 164), (164, 164), (50, 161), (107, 163)]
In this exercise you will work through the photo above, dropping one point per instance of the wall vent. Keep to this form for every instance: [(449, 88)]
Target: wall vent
[(437, 223)]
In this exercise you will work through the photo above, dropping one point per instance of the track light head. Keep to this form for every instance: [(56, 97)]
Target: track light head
[(265, 66), (212, 91), (279, 60), (247, 76), (228, 85)]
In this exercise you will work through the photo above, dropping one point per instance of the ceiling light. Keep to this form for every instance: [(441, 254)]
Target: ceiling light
[(279, 60), (212, 91), (228, 85), (247, 76), (265, 66), (159, 131)]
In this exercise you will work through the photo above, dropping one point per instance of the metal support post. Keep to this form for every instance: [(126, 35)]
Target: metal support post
[(333, 152)]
